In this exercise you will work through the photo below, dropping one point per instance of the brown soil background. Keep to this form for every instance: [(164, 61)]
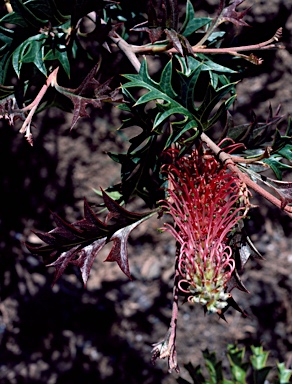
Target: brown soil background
[(103, 334)]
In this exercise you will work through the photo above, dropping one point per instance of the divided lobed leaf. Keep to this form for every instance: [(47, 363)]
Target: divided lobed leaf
[(80, 242)]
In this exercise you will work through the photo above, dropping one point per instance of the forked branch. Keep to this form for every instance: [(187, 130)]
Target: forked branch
[(152, 48)]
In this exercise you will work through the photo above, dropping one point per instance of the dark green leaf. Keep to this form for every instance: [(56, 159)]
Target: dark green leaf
[(277, 166), (191, 24), (24, 9), (188, 87), (165, 80), (30, 51), (59, 53), (261, 375), (5, 62), (156, 92)]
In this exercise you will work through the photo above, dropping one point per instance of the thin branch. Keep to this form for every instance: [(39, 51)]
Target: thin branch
[(132, 50), (152, 48), (227, 159), (128, 51), (251, 47), (166, 348), (213, 25), (32, 107)]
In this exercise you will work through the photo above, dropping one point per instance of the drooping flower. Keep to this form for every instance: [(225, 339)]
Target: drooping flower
[(206, 203)]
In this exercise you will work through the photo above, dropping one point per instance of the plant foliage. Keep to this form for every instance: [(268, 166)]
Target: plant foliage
[(241, 370), (66, 54)]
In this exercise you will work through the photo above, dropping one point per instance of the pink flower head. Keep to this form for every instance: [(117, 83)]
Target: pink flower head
[(204, 200)]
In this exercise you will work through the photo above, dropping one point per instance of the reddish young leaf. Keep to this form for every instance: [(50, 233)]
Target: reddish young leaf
[(154, 33), (79, 243), (119, 251), (90, 91), (87, 256), (230, 14)]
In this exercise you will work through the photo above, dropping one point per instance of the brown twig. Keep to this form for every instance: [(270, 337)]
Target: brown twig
[(152, 48), (166, 348), (227, 159), (32, 107), (128, 51)]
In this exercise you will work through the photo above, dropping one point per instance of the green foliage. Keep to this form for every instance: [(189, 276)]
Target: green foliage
[(191, 23), (194, 119), (281, 149), (241, 370)]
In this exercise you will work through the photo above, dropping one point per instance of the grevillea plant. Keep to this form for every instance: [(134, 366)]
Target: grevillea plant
[(190, 163)]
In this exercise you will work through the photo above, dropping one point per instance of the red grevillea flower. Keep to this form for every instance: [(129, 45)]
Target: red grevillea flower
[(205, 201)]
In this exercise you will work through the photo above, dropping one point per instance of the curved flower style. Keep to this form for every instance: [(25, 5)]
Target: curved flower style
[(206, 202)]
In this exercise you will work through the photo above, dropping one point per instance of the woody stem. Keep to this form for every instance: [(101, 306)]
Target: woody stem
[(227, 159)]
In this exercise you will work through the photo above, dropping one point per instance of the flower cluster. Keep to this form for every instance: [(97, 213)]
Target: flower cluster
[(206, 203)]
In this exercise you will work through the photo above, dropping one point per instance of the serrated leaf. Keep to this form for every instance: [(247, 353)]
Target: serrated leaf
[(174, 39), (170, 104), (143, 80), (176, 134), (215, 35), (230, 14), (255, 134), (188, 87), (195, 373), (286, 151), (235, 355), (212, 97), (80, 242), (119, 252), (209, 65), (165, 80), (221, 110), (90, 91), (261, 375)]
